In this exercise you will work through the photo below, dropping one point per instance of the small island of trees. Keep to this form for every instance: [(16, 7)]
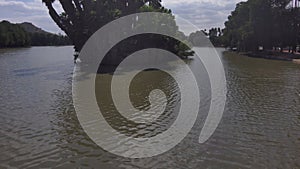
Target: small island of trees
[(80, 19)]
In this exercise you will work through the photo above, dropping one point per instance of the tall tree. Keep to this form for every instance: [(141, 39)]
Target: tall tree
[(267, 23), (81, 18)]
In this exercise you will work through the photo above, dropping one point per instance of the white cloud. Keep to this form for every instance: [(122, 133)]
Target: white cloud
[(215, 2), (204, 14)]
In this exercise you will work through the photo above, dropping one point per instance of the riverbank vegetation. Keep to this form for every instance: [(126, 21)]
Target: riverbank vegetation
[(12, 35), (26, 34), (263, 24), (259, 25), (254, 26)]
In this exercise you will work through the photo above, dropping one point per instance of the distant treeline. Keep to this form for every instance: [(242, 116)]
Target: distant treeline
[(214, 35), (41, 39), (259, 24), (14, 35)]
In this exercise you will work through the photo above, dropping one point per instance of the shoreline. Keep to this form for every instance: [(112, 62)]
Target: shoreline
[(272, 56), (20, 47), (297, 61)]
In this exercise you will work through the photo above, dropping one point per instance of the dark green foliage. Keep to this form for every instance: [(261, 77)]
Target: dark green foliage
[(14, 35), (42, 39), (267, 23), (81, 18)]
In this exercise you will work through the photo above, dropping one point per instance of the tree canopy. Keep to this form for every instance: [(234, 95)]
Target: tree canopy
[(258, 23), (267, 23), (81, 18)]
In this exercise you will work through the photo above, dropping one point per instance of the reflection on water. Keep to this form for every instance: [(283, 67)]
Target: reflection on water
[(39, 128)]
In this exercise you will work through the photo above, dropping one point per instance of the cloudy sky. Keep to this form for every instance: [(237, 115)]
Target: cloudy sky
[(202, 13)]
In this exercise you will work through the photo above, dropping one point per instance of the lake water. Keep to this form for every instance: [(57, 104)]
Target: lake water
[(39, 128)]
